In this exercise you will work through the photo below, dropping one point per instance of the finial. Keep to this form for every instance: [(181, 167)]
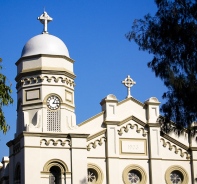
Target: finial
[(45, 19), (128, 82)]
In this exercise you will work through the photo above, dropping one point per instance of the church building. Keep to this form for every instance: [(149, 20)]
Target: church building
[(123, 144)]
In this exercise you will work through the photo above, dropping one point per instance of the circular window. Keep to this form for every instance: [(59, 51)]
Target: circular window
[(134, 174), (176, 175), (134, 177), (95, 174)]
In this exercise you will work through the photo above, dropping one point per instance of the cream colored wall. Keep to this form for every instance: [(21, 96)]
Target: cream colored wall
[(92, 126), (154, 165), (128, 107), (45, 62)]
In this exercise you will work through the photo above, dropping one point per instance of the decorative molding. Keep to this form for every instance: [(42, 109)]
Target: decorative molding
[(36, 134), (55, 142), (96, 135), (134, 119), (111, 122), (55, 162), (176, 168), (174, 141), (44, 71), (131, 126), (132, 146), (94, 144), (176, 149), (44, 55), (69, 96), (73, 135), (32, 94), (143, 177), (154, 125), (39, 79)]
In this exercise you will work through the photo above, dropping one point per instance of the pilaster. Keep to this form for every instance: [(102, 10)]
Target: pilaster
[(79, 158), (152, 115), (109, 105)]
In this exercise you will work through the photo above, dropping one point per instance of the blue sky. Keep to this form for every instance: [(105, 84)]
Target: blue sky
[(94, 33)]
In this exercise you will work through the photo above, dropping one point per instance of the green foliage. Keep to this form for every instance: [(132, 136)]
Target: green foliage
[(171, 36), (5, 99)]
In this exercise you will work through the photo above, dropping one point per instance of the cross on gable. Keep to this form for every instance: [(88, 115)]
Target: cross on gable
[(44, 19), (128, 82)]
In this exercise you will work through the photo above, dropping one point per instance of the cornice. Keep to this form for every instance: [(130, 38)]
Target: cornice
[(44, 55), (45, 135), (41, 85), (72, 135), (193, 148), (153, 124), (174, 141), (40, 104), (15, 140), (134, 119), (34, 77), (111, 122), (96, 135), (40, 70)]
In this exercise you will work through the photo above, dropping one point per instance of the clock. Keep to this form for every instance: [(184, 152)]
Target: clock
[(53, 102)]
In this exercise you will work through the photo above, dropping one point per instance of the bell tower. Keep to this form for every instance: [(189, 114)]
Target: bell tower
[(45, 85)]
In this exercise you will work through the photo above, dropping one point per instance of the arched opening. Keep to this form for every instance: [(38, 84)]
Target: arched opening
[(55, 175), (57, 170), (17, 176)]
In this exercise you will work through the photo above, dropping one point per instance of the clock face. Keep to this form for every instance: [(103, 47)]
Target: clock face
[(53, 102)]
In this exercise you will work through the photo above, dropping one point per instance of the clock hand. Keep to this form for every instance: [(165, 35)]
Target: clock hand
[(54, 102)]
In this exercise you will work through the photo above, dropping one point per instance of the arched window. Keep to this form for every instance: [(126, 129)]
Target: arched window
[(17, 177), (57, 170), (55, 175)]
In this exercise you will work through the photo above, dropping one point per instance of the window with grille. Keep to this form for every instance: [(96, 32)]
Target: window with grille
[(134, 177), (176, 177), (92, 176), (53, 121)]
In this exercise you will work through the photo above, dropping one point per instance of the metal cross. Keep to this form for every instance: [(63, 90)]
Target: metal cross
[(128, 82), (44, 19)]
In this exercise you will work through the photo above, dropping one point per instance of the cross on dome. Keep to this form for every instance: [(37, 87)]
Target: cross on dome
[(45, 19), (128, 82)]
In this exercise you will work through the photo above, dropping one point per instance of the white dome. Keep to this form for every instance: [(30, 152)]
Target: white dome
[(45, 44)]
